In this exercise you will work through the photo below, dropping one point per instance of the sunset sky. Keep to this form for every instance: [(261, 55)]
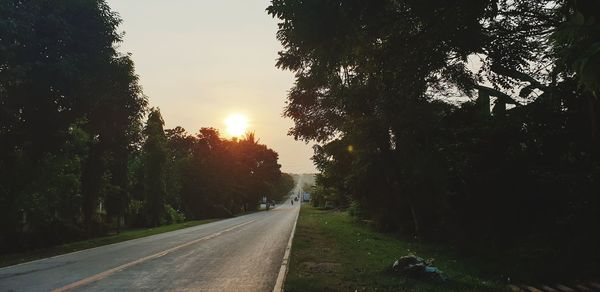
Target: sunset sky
[(201, 61)]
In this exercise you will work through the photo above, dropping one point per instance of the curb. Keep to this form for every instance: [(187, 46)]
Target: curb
[(286, 259)]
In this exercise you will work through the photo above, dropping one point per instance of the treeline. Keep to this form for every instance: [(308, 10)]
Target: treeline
[(515, 161), (214, 177), (77, 159)]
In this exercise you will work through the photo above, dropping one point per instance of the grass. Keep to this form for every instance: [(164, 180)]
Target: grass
[(12, 259), (331, 252)]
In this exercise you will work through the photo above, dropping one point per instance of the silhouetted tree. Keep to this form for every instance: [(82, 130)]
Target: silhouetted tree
[(376, 87), (75, 158), (155, 160), (61, 79)]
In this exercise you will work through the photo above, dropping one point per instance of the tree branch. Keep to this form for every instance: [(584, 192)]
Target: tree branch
[(502, 96)]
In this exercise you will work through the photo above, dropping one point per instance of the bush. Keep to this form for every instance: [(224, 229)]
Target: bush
[(356, 211), (173, 216), (135, 215)]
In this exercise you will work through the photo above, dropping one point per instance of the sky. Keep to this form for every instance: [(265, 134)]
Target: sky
[(202, 60)]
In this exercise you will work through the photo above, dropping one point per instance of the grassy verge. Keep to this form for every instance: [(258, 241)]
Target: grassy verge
[(12, 259), (332, 253)]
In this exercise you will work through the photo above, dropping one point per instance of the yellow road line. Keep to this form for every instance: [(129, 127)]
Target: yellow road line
[(107, 273)]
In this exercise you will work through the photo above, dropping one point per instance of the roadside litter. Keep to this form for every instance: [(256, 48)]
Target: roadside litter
[(418, 268)]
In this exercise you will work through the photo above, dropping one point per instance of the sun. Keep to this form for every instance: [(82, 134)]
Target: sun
[(236, 125)]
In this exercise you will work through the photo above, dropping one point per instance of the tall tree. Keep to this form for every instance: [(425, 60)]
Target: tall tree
[(376, 87), (60, 73), (155, 160)]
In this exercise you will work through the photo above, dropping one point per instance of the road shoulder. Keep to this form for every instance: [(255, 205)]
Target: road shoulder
[(333, 253), (283, 270)]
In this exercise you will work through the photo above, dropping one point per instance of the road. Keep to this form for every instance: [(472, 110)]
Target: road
[(237, 254)]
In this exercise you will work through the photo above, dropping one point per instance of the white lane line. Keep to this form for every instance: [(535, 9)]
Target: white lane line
[(286, 259), (107, 273)]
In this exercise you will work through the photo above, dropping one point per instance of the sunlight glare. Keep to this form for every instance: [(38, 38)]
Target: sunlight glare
[(236, 125)]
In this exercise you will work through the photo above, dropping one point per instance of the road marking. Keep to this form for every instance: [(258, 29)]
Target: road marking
[(286, 259), (96, 247), (107, 273)]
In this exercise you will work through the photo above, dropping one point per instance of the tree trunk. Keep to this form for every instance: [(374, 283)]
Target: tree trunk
[(91, 182), (483, 103)]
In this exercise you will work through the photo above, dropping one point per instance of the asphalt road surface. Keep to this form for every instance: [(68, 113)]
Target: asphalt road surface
[(237, 254)]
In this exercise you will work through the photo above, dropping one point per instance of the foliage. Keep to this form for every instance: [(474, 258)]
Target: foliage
[(155, 159), (172, 216), (68, 102), (283, 187), (76, 160), (376, 87), (215, 177)]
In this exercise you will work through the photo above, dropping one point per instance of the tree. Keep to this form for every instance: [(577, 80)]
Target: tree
[(155, 159), (375, 87), (125, 106), (362, 76), (61, 79)]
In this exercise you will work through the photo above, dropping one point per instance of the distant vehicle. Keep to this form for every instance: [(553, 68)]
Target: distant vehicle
[(306, 197)]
